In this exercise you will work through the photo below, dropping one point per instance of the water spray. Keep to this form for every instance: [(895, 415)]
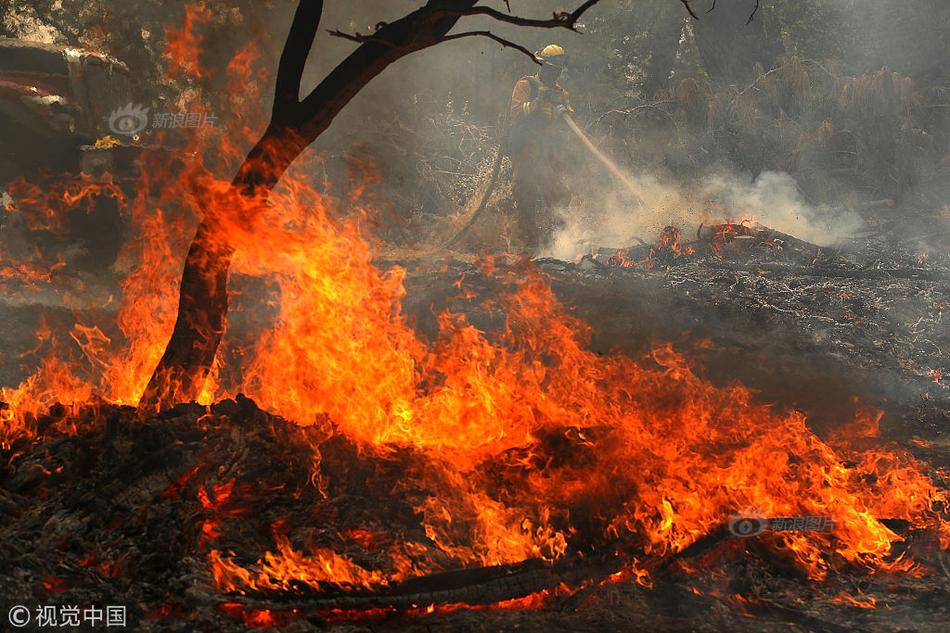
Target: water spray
[(477, 210), (603, 158)]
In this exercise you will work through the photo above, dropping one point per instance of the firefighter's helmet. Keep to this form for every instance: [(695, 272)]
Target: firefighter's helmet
[(552, 54)]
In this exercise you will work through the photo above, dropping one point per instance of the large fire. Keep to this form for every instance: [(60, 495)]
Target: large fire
[(642, 457)]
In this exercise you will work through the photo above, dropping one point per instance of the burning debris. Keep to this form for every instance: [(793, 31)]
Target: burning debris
[(748, 243)]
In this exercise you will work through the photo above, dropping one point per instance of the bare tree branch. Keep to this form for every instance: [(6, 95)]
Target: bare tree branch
[(359, 38), (754, 11), (689, 9), (561, 19), (492, 36), (296, 50), (712, 7)]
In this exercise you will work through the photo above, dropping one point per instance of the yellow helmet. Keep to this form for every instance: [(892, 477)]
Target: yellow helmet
[(552, 54)]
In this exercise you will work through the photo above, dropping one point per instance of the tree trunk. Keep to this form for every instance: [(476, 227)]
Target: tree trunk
[(203, 300)]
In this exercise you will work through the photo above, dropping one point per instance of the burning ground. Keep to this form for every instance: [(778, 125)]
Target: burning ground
[(574, 478)]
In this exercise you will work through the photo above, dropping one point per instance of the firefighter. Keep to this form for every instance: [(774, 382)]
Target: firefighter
[(537, 102)]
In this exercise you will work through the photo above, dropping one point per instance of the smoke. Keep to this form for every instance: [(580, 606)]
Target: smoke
[(773, 199), (617, 217)]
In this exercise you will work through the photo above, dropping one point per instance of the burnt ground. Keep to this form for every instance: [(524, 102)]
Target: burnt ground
[(120, 512)]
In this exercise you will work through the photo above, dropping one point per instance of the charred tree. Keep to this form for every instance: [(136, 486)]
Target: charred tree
[(295, 124)]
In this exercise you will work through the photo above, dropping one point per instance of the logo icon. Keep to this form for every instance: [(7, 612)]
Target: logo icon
[(129, 119), (19, 616), (748, 523)]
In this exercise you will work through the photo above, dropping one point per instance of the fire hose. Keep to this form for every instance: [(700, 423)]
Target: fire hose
[(489, 185), (610, 165)]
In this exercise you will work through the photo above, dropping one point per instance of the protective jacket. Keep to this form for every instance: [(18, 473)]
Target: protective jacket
[(530, 114)]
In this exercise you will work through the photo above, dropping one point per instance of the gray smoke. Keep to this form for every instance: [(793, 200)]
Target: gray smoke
[(617, 219)]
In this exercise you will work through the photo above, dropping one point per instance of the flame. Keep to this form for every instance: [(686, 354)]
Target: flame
[(183, 45), (288, 567), (860, 600), (257, 618), (668, 455), (538, 445), (88, 360), (162, 217)]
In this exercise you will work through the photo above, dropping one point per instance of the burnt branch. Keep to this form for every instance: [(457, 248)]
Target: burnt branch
[(689, 9), (754, 11), (359, 38), (561, 19), (423, 28), (500, 40), (296, 50)]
